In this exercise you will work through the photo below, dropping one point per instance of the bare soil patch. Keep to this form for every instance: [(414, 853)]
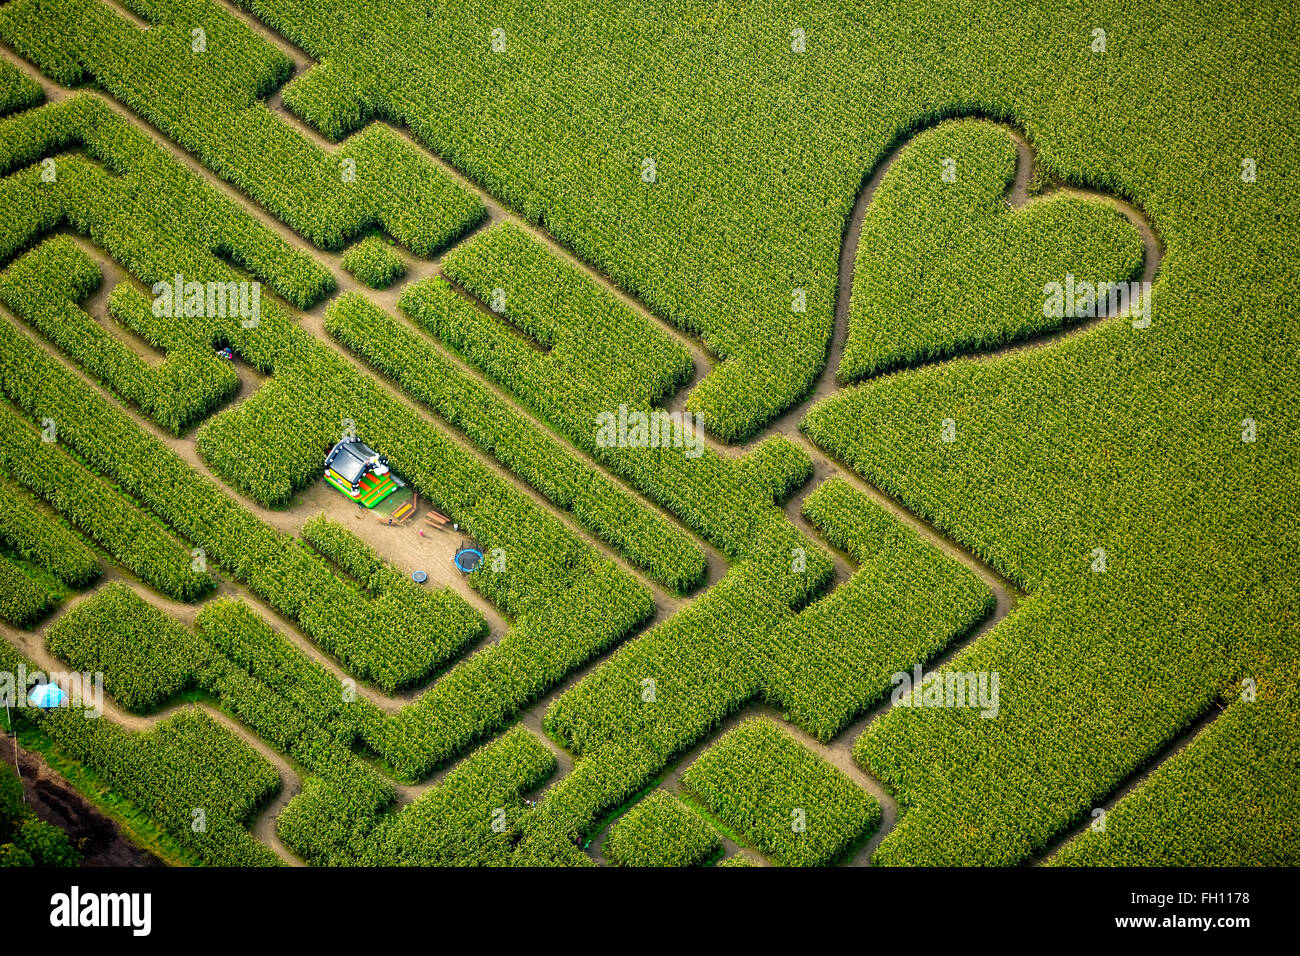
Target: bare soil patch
[(54, 800)]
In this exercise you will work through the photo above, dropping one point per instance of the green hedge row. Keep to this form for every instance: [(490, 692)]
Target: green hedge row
[(155, 216), (906, 603), (271, 685), (264, 681), (472, 816), (1227, 799), (17, 91), (793, 805), (23, 599), (496, 682), (146, 656), (340, 545), (374, 263), (198, 780), (661, 831), (774, 469), (328, 100), (261, 679), (432, 626), (657, 696), (44, 541), (255, 675), (569, 321), (483, 694)]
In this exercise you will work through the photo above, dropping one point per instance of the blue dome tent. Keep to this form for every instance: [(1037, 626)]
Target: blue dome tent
[(46, 696)]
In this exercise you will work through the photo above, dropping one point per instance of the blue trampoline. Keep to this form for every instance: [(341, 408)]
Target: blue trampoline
[(468, 557)]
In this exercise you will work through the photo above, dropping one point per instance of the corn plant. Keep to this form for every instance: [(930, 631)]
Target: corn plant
[(661, 831), (374, 263), (792, 804)]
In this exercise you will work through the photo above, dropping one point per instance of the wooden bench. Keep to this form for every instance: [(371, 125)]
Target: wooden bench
[(401, 513)]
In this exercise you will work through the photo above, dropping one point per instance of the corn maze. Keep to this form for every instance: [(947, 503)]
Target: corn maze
[(876, 433)]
